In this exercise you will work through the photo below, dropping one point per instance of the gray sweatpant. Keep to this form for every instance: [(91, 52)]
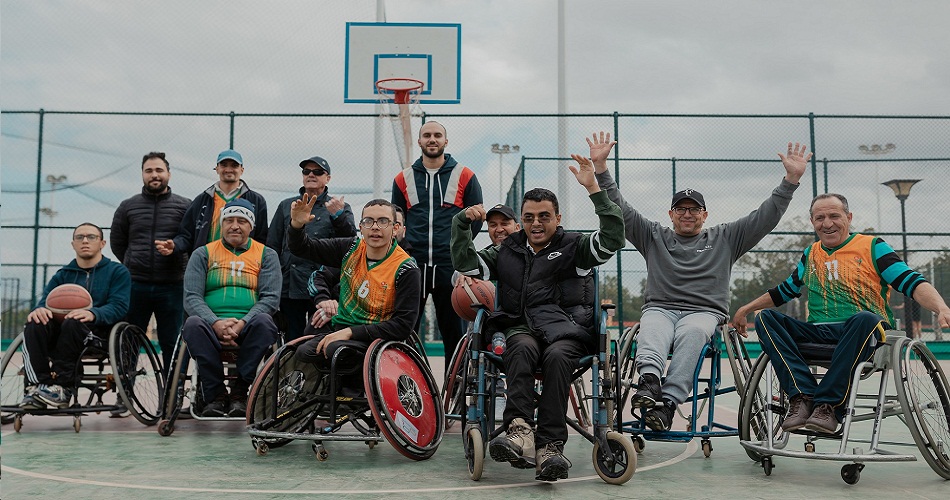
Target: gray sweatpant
[(682, 332)]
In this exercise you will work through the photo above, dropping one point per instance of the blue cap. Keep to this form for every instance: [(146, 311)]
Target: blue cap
[(230, 154)]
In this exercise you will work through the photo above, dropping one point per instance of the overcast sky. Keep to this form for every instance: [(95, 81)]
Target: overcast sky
[(845, 57)]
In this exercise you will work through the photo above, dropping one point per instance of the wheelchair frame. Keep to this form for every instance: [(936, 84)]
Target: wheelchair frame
[(130, 380), (922, 402)]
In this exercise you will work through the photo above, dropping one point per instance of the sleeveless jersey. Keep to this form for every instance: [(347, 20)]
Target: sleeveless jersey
[(368, 290), (231, 285), (845, 281)]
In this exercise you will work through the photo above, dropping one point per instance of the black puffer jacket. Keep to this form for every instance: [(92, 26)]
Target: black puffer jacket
[(137, 223)]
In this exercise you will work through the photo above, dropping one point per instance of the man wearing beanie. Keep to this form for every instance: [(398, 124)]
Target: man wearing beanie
[(232, 289)]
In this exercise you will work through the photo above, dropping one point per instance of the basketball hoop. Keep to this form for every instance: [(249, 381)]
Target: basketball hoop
[(399, 100)]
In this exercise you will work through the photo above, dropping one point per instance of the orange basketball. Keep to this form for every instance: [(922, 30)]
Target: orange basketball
[(465, 296), (64, 298)]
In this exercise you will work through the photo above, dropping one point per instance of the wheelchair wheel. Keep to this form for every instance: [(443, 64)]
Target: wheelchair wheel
[(13, 379), (453, 391), (281, 396), (925, 397), (755, 409), (739, 359), (617, 464), (174, 397), (579, 401), (475, 452), (138, 373), (403, 398), (624, 372)]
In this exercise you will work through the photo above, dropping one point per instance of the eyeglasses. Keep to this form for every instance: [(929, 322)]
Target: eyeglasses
[(691, 210), (382, 222), (315, 171), (543, 218), (80, 237)]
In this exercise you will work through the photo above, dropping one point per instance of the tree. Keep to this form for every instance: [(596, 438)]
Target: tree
[(631, 303)]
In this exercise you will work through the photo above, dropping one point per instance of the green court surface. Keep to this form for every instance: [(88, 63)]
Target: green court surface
[(121, 458)]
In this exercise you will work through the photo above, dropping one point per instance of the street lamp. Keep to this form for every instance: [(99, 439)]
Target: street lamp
[(901, 188), (501, 151), (51, 212), (877, 149)]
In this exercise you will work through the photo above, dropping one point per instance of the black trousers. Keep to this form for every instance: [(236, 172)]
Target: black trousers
[(350, 362), (523, 356), (61, 343), (437, 281)]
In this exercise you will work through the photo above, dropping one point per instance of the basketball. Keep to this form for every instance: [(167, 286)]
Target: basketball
[(64, 298), (464, 296)]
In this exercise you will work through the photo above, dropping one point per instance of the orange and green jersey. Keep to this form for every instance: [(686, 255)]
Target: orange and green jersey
[(368, 289), (214, 232), (847, 279), (231, 285)]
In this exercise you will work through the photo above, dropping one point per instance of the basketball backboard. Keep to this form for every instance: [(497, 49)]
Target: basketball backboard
[(430, 53)]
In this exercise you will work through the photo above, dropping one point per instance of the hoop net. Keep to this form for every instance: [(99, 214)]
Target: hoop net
[(399, 101)]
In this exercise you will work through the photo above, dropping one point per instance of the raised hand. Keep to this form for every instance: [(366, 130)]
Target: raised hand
[(584, 173), (334, 205), (795, 162), (300, 210), (599, 150), (475, 213)]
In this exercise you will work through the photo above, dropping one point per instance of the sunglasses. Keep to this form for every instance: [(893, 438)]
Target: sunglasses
[(315, 171)]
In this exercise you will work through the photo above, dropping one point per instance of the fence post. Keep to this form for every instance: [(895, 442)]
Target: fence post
[(36, 211), (814, 156), (231, 133), (619, 302)]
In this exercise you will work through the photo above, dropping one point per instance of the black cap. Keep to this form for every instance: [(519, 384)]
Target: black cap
[(319, 161), (688, 194), (503, 210)]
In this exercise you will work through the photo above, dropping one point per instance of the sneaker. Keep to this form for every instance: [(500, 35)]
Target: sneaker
[(516, 447), (799, 409), (822, 420), (552, 464), (30, 401), (120, 411), (218, 407), (237, 407), (54, 395), (660, 418), (648, 392)]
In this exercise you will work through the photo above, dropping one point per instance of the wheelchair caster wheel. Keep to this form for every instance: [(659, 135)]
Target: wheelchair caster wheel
[(77, 423), (17, 423), (639, 444), (767, 465), (321, 452), (707, 448), (851, 473), (261, 448), (810, 447), (475, 453), (617, 462), (165, 427), (370, 444)]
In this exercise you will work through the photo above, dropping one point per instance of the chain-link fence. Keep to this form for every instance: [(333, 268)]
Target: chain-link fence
[(63, 168)]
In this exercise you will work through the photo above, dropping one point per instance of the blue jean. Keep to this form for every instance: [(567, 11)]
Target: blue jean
[(166, 301)]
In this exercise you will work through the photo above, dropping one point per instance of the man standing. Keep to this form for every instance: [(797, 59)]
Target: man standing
[(154, 214), (232, 289), (202, 224), (846, 278), (688, 268), (431, 192), (332, 218), (546, 311), (46, 340)]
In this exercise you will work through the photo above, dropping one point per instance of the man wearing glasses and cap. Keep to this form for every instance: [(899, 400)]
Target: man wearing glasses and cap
[(332, 218), (688, 269), (202, 224)]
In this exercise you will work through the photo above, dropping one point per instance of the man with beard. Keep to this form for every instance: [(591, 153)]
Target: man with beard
[(431, 192), (154, 214)]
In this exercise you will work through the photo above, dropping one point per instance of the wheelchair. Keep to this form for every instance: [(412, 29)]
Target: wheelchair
[(291, 399), (919, 397), (613, 455), (704, 392), (125, 364)]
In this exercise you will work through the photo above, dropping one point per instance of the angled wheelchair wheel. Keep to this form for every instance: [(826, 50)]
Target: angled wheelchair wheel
[(925, 398), (173, 398), (282, 396), (756, 408), (403, 398), (624, 372), (453, 391), (13, 381), (616, 464), (138, 373), (739, 359)]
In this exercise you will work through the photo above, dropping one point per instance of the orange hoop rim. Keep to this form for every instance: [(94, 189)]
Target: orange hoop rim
[(399, 88)]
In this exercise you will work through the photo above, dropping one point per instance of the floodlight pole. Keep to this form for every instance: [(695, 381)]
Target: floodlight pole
[(501, 151)]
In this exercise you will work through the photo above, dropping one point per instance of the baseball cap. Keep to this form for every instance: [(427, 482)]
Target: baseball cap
[(319, 161), (504, 210), (688, 194), (232, 155), (238, 207)]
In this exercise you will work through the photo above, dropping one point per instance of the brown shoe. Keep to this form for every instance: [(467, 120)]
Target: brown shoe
[(799, 409), (822, 420)]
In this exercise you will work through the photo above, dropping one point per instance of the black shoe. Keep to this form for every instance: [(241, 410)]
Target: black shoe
[(218, 407), (237, 408), (648, 392), (660, 418)]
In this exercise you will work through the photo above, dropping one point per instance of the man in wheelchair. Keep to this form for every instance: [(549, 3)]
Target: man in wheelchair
[(46, 339), (232, 289), (846, 277), (380, 286), (545, 309)]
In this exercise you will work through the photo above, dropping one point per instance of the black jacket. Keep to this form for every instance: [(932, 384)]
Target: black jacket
[(137, 223), (193, 231)]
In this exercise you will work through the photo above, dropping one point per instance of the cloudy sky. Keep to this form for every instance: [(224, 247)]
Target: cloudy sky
[(866, 57)]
